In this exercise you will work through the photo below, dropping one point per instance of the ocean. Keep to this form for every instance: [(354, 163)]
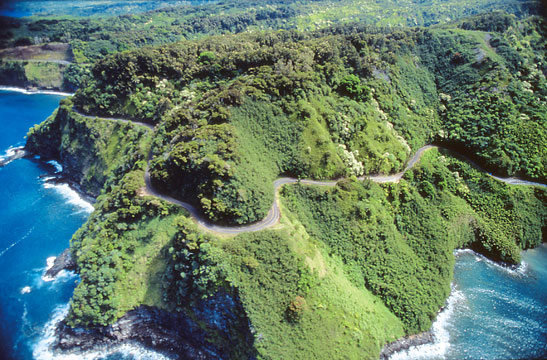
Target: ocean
[(85, 8), (492, 313), (37, 220)]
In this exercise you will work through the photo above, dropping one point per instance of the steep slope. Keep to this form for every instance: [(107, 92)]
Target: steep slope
[(349, 267)]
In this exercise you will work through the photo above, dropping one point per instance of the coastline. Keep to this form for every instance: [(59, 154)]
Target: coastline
[(436, 340), (406, 342), (59, 181), (161, 333), (33, 91), (415, 339)]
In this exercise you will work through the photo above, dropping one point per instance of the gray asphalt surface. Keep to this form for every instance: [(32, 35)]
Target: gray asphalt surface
[(273, 216)]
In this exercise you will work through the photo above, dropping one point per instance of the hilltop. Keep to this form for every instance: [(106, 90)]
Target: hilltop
[(217, 119)]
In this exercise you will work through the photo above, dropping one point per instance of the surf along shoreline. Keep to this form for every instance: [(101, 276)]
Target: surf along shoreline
[(389, 349)]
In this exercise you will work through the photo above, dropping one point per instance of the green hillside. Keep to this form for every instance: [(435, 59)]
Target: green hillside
[(348, 267)]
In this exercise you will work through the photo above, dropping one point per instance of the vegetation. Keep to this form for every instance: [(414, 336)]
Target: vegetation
[(94, 152), (349, 268), (119, 255), (345, 101), (93, 37), (397, 239), (43, 75)]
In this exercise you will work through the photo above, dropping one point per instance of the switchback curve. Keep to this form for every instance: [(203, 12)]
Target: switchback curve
[(273, 216)]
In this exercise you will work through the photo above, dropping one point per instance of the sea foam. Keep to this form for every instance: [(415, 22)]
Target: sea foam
[(10, 154), (42, 349), (519, 270), (49, 261), (71, 196), (441, 335), (58, 167), (33, 92)]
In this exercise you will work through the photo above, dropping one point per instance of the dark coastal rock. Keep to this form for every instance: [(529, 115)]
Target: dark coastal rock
[(15, 154), (176, 335), (159, 330), (405, 343), (62, 262)]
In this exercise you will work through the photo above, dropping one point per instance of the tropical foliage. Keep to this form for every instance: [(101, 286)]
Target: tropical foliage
[(349, 267)]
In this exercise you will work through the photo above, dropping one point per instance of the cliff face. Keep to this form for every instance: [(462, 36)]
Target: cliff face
[(178, 335), (46, 75), (107, 157), (89, 149)]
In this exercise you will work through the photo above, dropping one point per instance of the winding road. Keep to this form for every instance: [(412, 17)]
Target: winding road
[(273, 216)]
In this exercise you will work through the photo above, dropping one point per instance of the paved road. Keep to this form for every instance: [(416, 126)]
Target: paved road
[(149, 126), (56, 61), (273, 216)]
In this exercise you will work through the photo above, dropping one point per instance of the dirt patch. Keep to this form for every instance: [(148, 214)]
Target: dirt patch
[(57, 52)]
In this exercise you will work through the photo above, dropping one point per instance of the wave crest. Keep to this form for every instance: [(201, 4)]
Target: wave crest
[(42, 350)]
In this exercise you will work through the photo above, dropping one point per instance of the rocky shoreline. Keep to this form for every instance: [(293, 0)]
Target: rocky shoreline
[(13, 154), (62, 262), (405, 343), (171, 334), (206, 333), (175, 335)]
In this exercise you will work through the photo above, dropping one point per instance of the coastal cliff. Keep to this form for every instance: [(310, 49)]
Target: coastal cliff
[(351, 266), (177, 335), (91, 151)]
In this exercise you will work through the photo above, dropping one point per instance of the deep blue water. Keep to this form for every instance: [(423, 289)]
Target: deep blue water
[(36, 222), (493, 312)]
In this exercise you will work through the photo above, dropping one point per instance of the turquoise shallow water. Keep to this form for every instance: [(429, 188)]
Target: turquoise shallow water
[(493, 313)]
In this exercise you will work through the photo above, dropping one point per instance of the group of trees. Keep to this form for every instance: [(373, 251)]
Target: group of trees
[(234, 112), (345, 107), (397, 239)]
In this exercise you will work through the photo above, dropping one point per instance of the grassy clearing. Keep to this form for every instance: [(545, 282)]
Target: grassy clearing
[(45, 74), (142, 284), (274, 270)]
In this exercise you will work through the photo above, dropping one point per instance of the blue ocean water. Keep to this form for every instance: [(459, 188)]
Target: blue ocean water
[(22, 8), (36, 222), (493, 312)]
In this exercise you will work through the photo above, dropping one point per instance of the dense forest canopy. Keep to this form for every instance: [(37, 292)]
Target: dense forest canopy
[(350, 100), (241, 93)]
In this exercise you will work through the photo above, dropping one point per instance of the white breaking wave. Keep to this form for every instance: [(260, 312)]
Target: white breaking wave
[(62, 276), (49, 261), (26, 290), (32, 92), (42, 349), (71, 196), (520, 270), (58, 167), (10, 153), (441, 336)]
